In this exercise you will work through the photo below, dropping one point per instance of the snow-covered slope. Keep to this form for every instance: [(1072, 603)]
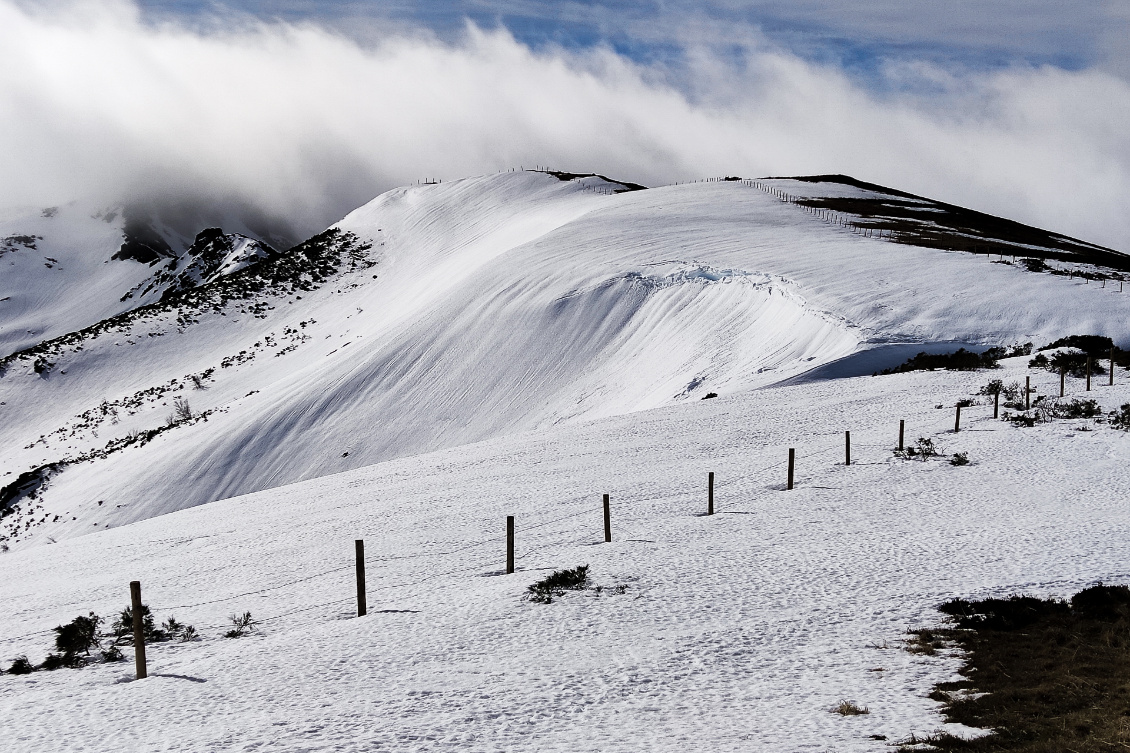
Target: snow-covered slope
[(737, 632), (67, 267), (446, 314)]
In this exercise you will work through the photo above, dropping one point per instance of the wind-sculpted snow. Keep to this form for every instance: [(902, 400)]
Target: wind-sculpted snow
[(735, 632), (441, 315)]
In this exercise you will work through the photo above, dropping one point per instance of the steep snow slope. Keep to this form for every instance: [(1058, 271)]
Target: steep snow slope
[(446, 314), (56, 272), (65, 268), (737, 632)]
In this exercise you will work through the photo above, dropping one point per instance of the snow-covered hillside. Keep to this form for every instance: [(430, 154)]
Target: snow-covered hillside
[(446, 314), (736, 632), (68, 267)]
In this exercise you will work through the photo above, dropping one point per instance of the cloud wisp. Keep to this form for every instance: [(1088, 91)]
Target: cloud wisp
[(304, 124)]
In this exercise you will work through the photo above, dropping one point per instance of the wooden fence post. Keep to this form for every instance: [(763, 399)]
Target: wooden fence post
[(1062, 375), (362, 606), (1112, 366), (509, 544), (607, 521), (792, 460), (1088, 373), (138, 630), (1027, 392), (847, 448), (710, 493), (957, 420), (996, 404), (902, 426)]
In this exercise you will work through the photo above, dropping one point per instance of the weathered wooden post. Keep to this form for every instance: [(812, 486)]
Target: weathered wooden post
[(710, 493), (1062, 377), (1027, 392), (902, 427), (792, 461), (138, 630), (957, 420), (847, 448), (1088, 373), (607, 521), (996, 404), (362, 606), (1112, 366), (509, 544)]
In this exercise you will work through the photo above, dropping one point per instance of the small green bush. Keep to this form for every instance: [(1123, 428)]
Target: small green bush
[(1121, 419), (78, 636), (21, 666), (1019, 419), (923, 448), (960, 458), (241, 625), (122, 627), (178, 630), (557, 584)]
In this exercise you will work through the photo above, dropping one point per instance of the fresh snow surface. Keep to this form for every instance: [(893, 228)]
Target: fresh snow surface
[(736, 632), (499, 305), (67, 280)]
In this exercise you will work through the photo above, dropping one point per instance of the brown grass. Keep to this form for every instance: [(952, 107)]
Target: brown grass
[(1055, 675), (847, 708)]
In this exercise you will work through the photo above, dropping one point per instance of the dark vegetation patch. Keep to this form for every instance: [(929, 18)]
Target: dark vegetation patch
[(960, 360), (304, 268), (565, 176), (1043, 674), (919, 221), (81, 641), (15, 242), (557, 584), (1085, 348)]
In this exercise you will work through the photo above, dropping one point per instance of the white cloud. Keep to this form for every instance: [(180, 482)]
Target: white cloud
[(305, 123)]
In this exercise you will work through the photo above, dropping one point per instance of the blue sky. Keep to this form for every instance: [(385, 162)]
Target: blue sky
[(855, 35)]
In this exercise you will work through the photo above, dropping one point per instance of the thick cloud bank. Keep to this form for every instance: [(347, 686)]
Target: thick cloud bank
[(305, 124)]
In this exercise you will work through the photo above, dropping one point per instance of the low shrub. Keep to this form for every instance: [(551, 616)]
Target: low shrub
[(709, 395), (1121, 419), (122, 627), (557, 584), (847, 708), (960, 458), (178, 630), (241, 625), (1049, 408), (923, 448), (79, 635), (960, 360), (21, 666), (1019, 419)]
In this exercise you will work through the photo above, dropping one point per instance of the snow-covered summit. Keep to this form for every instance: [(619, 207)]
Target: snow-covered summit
[(442, 315)]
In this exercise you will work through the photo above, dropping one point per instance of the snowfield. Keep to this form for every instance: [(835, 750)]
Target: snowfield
[(735, 632), (516, 344), (485, 307)]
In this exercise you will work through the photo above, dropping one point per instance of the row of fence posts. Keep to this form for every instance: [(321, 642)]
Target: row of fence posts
[(362, 605)]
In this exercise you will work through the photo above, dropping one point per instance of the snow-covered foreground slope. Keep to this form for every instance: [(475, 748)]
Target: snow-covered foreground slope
[(736, 632), (447, 314)]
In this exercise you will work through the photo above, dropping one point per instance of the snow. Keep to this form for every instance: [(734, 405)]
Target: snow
[(736, 632), (68, 280), (499, 305), (522, 346)]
